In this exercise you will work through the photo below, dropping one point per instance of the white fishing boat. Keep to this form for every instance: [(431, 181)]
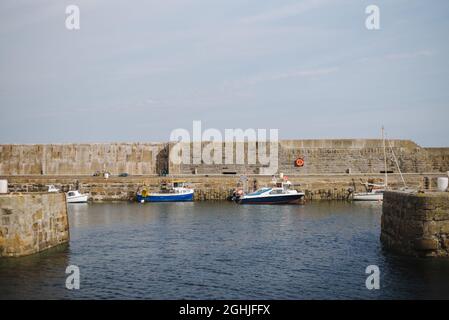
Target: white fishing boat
[(170, 192), (76, 197)]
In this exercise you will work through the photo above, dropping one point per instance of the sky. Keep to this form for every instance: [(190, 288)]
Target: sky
[(136, 70)]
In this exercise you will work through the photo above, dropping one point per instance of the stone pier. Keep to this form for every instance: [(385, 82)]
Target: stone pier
[(211, 187), (32, 222), (416, 224)]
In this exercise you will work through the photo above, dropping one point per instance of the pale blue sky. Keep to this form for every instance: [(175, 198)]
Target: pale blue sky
[(139, 69)]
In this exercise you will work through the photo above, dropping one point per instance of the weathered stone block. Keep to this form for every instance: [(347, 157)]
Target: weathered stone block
[(444, 226), (441, 215), (445, 243), (420, 229), (34, 225), (426, 244), (430, 228)]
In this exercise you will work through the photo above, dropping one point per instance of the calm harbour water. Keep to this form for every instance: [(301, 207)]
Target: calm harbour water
[(220, 250)]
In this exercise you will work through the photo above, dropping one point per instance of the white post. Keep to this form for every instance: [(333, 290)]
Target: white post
[(3, 186)]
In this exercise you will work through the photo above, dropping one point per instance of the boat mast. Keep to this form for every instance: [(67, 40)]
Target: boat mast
[(397, 163), (385, 157)]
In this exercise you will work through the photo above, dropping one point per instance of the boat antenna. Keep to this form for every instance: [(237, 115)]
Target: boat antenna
[(385, 157)]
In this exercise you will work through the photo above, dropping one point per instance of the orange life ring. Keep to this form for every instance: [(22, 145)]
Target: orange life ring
[(299, 162)]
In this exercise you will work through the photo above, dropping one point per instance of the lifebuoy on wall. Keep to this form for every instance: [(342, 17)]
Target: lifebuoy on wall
[(299, 162)]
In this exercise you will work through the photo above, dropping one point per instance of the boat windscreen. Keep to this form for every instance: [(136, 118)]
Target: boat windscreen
[(260, 191)]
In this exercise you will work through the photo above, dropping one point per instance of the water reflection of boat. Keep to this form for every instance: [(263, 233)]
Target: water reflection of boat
[(176, 191), (279, 194)]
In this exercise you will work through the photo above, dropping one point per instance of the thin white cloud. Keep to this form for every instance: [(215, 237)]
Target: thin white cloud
[(265, 77), (410, 55), (285, 11), (399, 56)]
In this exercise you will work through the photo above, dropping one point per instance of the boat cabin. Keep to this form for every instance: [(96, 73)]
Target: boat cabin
[(178, 184), (285, 185), (173, 187)]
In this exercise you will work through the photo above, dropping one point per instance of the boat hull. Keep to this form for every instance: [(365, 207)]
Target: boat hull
[(165, 197), (368, 197), (77, 199), (284, 199)]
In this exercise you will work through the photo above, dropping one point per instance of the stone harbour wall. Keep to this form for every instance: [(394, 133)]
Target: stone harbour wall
[(416, 224), (322, 157), (356, 156), (83, 159), (438, 159), (212, 187), (32, 222), (335, 156)]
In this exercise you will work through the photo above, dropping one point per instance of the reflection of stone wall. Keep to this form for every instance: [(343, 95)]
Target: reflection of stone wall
[(32, 222), (416, 224), (80, 159)]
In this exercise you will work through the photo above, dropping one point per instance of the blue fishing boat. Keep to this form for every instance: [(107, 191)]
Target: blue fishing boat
[(174, 192)]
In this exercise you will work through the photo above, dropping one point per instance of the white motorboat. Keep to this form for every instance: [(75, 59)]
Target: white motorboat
[(76, 197), (279, 194)]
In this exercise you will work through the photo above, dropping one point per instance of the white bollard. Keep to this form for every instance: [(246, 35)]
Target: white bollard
[(442, 184), (3, 186)]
